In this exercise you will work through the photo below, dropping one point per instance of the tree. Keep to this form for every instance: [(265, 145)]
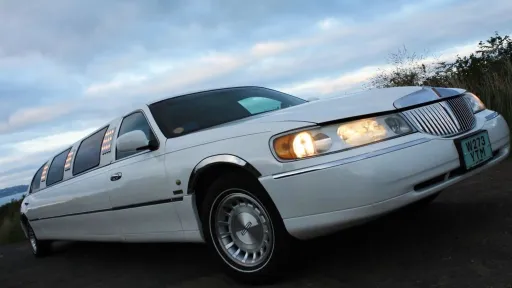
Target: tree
[(406, 70), (492, 56)]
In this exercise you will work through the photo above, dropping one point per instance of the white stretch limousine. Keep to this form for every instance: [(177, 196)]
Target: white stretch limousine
[(246, 169)]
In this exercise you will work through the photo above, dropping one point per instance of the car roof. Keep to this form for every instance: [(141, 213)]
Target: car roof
[(206, 90)]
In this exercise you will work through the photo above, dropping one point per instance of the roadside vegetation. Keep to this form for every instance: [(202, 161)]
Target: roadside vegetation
[(10, 229), (487, 72)]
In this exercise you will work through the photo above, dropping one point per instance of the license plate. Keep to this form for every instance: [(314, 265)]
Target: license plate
[(475, 149)]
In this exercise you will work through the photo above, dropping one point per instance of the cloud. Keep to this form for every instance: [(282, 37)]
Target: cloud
[(204, 67), (118, 82), (330, 50), (51, 142), (272, 48), (330, 85), (18, 178), (32, 149), (328, 23), (351, 81), (72, 66), (21, 159), (34, 115)]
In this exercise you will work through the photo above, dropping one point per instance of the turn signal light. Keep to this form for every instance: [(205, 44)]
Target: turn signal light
[(67, 165), (106, 146)]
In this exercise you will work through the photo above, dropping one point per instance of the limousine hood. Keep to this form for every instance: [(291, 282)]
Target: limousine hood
[(316, 112), (363, 103)]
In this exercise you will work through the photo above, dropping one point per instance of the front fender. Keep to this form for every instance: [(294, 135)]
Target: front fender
[(217, 159)]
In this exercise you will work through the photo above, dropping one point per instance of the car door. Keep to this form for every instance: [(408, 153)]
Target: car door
[(142, 201), (73, 202), (30, 204)]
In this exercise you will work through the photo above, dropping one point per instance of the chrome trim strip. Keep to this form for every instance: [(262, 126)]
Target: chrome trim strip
[(456, 109), (437, 119), (218, 159), (131, 206), (464, 112), (351, 159), (446, 118), (449, 111), (492, 116), (408, 115), (426, 119)]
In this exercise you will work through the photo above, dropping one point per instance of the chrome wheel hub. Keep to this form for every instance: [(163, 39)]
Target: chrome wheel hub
[(243, 228)]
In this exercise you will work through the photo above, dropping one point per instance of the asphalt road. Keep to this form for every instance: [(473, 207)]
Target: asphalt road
[(464, 239)]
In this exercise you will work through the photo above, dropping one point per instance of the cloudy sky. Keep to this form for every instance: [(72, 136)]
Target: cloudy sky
[(67, 67)]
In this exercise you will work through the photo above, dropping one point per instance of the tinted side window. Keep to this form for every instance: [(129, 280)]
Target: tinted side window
[(88, 154), (132, 122), (36, 182), (56, 171)]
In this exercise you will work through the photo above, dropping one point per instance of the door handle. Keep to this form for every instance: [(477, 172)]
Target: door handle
[(116, 176)]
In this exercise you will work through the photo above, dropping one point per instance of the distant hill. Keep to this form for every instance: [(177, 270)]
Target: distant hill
[(13, 190)]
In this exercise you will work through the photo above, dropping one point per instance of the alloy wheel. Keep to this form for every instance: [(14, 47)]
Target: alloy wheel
[(243, 229)]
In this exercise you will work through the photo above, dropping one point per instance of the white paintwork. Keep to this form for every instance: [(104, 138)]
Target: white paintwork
[(311, 204), (310, 226), (132, 141), (144, 179), (345, 189), (83, 193), (329, 109)]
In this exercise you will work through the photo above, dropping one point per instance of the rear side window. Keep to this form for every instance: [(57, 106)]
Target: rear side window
[(36, 182), (132, 122), (88, 154), (56, 171)]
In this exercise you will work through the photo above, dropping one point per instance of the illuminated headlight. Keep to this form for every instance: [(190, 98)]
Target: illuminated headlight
[(365, 131), (337, 137), (302, 144), (474, 102)]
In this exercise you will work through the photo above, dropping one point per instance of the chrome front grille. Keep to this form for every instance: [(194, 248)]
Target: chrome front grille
[(445, 118)]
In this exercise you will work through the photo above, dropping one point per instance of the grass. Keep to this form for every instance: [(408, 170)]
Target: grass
[(494, 89), (10, 229)]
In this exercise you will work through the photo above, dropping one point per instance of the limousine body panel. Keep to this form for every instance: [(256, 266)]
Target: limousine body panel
[(63, 210), (142, 197), (245, 170)]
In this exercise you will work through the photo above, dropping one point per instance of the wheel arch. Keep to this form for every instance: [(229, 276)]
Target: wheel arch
[(215, 161), (211, 168)]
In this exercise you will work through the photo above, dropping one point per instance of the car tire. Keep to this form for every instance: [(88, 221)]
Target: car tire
[(40, 248), (244, 230)]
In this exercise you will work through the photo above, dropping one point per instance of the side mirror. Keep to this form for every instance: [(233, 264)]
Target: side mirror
[(134, 141)]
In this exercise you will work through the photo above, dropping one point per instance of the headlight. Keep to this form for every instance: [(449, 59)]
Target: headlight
[(365, 131), (337, 137), (474, 102), (302, 144)]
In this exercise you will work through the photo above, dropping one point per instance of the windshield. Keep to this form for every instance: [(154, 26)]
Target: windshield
[(189, 113)]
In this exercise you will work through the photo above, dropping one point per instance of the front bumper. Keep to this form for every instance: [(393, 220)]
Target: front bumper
[(339, 193)]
